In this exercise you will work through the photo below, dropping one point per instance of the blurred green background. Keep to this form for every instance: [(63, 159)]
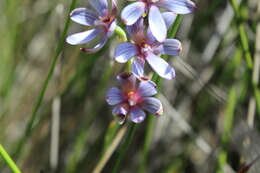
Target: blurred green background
[(211, 109)]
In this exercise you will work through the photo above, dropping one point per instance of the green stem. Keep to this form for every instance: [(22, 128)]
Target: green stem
[(124, 147), (131, 130), (9, 161), (150, 122), (121, 33), (29, 126), (147, 142), (242, 34)]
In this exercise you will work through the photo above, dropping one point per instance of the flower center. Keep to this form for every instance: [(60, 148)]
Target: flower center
[(105, 21), (132, 98), (145, 48)]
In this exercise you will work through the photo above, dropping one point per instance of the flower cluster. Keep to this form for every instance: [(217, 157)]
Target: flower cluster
[(147, 28)]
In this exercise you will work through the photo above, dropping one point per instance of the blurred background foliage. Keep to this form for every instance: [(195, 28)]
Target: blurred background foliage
[(212, 108)]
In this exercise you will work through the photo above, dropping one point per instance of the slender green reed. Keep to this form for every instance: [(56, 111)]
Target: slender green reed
[(150, 121), (242, 34), (30, 124), (9, 161), (228, 124)]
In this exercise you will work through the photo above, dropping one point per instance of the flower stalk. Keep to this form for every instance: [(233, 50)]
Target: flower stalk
[(150, 123), (9, 161)]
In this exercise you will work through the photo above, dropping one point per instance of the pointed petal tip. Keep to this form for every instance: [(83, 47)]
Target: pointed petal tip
[(171, 76), (160, 112), (178, 6), (192, 4)]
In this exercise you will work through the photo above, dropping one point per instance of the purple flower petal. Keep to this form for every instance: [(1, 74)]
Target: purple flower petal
[(124, 52), (160, 66), (120, 112), (138, 67), (127, 81), (100, 6), (96, 47), (82, 37), (169, 18), (114, 96), (147, 88), (177, 6), (171, 47), (132, 12), (137, 115), (150, 37), (114, 8), (157, 24), (111, 28), (152, 105), (137, 27), (83, 16)]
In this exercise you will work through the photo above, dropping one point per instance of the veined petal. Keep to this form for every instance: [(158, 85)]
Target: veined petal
[(147, 88), (111, 28), (114, 96), (137, 27), (177, 6), (100, 6), (150, 37), (82, 37), (152, 105), (124, 52), (171, 47), (138, 67), (157, 24), (132, 12), (127, 81), (83, 16), (97, 47), (160, 66), (137, 115), (169, 18), (120, 112)]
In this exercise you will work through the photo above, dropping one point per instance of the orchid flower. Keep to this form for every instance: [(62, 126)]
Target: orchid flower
[(133, 99), (136, 10), (144, 47), (102, 22)]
